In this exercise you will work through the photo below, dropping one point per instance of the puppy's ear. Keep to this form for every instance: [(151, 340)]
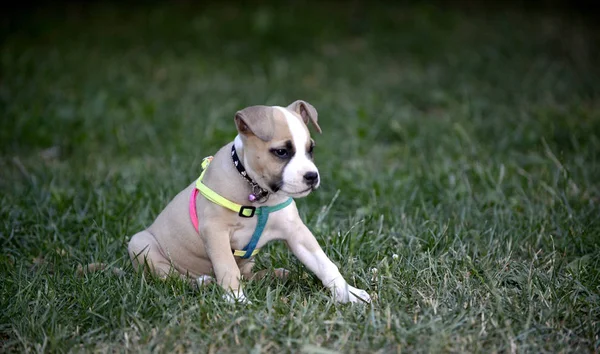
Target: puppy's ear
[(257, 121), (307, 112)]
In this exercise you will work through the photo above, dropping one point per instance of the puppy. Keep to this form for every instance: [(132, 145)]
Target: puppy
[(216, 225)]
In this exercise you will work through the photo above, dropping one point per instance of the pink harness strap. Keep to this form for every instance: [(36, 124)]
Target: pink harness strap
[(193, 214)]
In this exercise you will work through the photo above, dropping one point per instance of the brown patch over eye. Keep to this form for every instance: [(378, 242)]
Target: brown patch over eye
[(284, 153)]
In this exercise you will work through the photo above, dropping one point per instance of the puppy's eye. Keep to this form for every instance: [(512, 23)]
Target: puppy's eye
[(281, 153), (311, 148)]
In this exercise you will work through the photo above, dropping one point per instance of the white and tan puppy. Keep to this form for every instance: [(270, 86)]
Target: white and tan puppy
[(274, 146)]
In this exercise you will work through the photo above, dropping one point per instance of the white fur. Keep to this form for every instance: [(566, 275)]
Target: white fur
[(304, 246), (238, 144), (300, 164)]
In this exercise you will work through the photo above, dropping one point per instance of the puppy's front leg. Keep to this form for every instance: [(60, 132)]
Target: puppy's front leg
[(304, 246), (227, 272)]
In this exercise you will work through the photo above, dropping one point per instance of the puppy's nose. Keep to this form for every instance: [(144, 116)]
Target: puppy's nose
[(311, 178)]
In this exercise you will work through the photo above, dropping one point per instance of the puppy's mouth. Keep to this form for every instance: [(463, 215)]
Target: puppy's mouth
[(309, 189), (278, 187), (301, 192)]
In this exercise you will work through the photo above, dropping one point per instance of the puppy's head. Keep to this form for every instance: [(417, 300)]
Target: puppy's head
[(277, 147)]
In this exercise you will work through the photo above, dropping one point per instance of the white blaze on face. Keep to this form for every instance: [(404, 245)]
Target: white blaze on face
[(300, 164)]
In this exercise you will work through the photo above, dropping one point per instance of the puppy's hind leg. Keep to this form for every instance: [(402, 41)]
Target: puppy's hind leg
[(145, 254)]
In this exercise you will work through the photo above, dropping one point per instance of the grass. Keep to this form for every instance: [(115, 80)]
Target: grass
[(460, 165)]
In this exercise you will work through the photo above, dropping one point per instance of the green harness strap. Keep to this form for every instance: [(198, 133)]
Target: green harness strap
[(263, 215)]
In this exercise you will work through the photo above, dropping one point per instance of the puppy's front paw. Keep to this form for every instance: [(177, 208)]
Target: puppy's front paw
[(236, 296), (358, 295), (345, 293)]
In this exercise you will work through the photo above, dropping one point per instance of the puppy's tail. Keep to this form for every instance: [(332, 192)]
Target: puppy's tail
[(94, 267)]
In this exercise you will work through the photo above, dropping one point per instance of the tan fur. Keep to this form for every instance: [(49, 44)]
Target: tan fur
[(307, 112), (265, 167), (257, 121)]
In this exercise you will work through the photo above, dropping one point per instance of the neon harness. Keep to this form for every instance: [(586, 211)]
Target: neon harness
[(242, 210)]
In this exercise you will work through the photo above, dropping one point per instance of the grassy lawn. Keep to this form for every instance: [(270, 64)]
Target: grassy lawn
[(460, 160)]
